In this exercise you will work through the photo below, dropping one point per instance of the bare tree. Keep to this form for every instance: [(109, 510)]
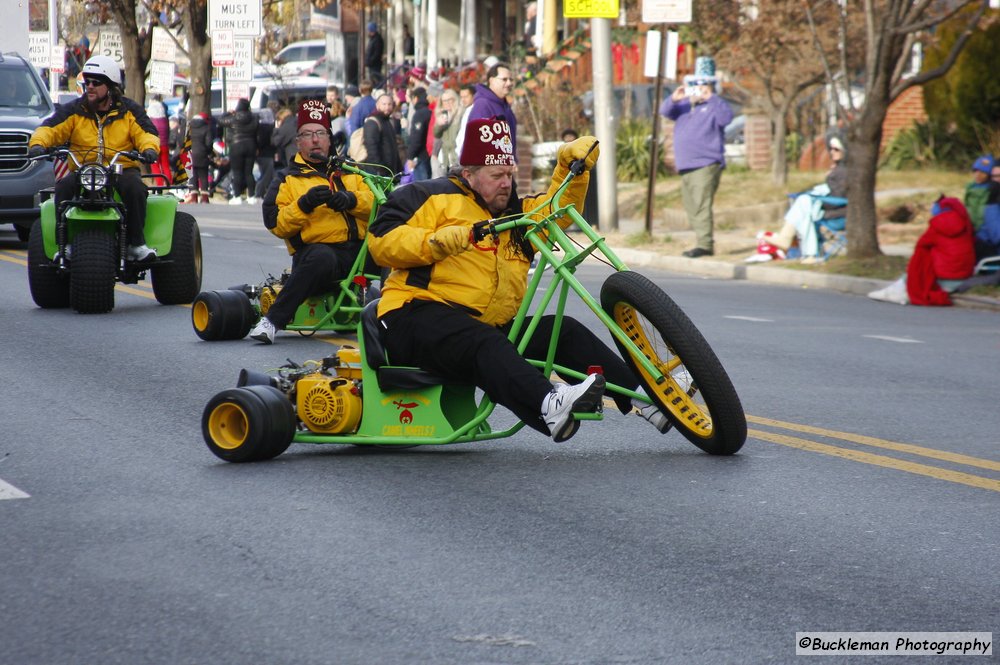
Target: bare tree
[(887, 33)]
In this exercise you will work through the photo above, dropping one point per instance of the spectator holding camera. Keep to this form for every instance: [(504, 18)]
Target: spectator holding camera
[(700, 117)]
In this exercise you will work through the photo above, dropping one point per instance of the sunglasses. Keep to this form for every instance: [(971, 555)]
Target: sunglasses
[(92, 83)]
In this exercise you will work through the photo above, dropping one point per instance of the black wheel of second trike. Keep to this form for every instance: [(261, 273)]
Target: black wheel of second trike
[(248, 424), (697, 394), (222, 315)]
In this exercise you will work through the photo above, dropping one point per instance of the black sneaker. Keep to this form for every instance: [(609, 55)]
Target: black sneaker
[(698, 252)]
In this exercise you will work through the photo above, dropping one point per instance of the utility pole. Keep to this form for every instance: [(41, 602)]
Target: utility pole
[(604, 124), (54, 41), (654, 149)]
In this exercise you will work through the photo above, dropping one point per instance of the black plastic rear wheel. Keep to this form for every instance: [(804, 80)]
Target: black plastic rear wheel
[(696, 394), (248, 424), (49, 288), (222, 315)]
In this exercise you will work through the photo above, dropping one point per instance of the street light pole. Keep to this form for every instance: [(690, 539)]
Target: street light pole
[(604, 124)]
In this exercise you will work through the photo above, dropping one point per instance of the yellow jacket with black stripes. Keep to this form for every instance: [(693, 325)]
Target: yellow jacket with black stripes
[(489, 280), (124, 127), (285, 219)]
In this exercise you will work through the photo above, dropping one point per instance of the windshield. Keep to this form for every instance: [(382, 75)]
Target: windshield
[(19, 90)]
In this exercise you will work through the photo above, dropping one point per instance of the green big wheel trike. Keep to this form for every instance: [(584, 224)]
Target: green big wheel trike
[(357, 396)]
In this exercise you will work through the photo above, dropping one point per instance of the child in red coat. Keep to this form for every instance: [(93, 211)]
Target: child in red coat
[(945, 251)]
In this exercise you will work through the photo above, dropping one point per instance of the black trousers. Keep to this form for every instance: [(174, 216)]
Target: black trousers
[(448, 342), (316, 269), (242, 157), (133, 192)]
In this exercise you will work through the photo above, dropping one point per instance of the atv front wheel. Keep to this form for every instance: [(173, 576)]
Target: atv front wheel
[(94, 263), (178, 281)]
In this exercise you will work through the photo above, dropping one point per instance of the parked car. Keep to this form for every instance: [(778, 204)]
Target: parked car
[(294, 59), (24, 103)]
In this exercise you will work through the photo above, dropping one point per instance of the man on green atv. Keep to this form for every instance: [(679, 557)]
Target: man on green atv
[(323, 219), (447, 307), (96, 126)]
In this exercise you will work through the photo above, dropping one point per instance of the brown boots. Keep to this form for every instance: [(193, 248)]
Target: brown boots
[(196, 197), (203, 197)]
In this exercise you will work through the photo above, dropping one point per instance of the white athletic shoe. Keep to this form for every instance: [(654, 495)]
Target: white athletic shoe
[(140, 253), (654, 415), (264, 331), (565, 400)]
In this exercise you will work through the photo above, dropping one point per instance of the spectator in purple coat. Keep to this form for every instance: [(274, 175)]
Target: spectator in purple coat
[(491, 100), (700, 117)]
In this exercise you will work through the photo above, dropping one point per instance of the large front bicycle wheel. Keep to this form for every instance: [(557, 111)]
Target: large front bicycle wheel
[(696, 394)]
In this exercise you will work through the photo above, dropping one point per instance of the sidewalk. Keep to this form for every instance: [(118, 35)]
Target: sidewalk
[(725, 266)]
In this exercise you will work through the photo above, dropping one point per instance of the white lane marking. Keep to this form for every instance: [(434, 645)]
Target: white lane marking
[(8, 491), (749, 318), (888, 338)]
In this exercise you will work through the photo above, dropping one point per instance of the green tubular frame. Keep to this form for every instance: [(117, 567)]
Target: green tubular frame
[(341, 307), (543, 235)]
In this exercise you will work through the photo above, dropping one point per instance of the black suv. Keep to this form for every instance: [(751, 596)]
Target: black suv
[(24, 103)]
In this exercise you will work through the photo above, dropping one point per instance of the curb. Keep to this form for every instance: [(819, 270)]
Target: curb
[(772, 275)]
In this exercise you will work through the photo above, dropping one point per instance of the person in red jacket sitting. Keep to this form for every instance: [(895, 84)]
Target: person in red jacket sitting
[(944, 254)]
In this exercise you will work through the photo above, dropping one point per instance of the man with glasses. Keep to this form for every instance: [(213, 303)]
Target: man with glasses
[(321, 216), (97, 125), (491, 101)]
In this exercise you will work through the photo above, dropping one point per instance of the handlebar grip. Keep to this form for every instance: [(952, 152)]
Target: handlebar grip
[(481, 229)]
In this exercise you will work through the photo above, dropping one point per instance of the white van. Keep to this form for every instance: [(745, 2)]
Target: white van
[(293, 59), (289, 91)]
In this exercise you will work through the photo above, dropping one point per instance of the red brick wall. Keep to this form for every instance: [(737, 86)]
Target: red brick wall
[(757, 136), (903, 113)]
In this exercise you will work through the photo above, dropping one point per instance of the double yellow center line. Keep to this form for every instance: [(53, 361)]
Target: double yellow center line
[(855, 455)]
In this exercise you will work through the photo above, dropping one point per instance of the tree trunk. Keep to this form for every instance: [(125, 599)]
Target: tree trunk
[(779, 159), (135, 50), (862, 163), (200, 54)]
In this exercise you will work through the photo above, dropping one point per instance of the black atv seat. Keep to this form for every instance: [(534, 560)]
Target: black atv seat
[(390, 376)]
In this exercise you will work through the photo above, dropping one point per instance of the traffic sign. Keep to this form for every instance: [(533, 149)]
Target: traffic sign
[(243, 17), (223, 48), (666, 11), (590, 8)]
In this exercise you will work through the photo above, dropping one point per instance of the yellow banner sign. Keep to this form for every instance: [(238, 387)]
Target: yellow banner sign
[(590, 8)]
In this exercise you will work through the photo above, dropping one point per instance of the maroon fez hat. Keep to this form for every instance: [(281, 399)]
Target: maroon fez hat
[(313, 111), (488, 143)]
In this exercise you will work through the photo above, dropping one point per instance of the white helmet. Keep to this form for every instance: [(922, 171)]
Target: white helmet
[(102, 65)]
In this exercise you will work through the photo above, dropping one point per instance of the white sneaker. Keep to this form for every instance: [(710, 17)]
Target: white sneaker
[(565, 400), (264, 331), (895, 293), (236, 201), (140, 253), (252, 200), (654, 415)]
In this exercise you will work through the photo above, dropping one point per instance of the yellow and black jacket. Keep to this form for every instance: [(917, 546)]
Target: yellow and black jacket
[(124, 127), (488, 280), (284, 218)]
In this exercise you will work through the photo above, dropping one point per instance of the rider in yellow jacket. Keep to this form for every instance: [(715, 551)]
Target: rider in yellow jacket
[(96, 126), (448, 305), (322, 217)]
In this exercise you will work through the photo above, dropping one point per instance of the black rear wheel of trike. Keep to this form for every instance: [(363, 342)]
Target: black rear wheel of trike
[(248, 424), (222, 315), (178, 281), (49, 289), (697, 394), (93, 265)]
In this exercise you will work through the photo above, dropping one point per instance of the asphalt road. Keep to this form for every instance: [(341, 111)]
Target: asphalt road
[(865, 499)]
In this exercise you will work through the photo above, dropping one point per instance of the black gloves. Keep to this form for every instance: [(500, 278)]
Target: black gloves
[(314, 198), (150, 156), (342, 200), (37, 151)]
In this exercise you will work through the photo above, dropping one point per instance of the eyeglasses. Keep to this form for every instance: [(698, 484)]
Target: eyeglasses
[(92, 83), (836, 150), (318, 134)]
